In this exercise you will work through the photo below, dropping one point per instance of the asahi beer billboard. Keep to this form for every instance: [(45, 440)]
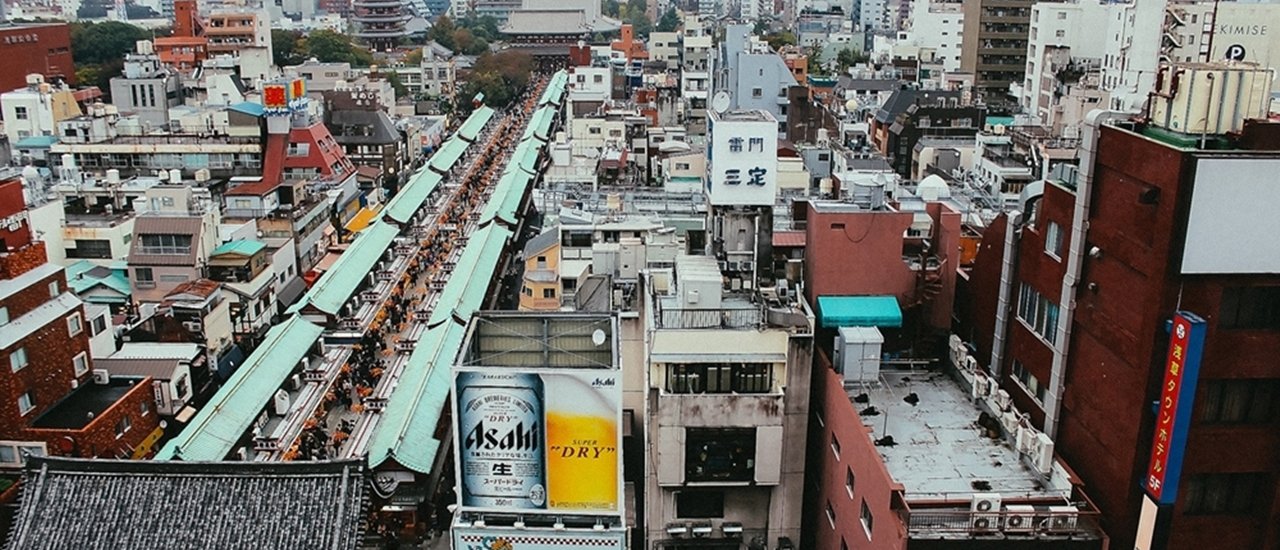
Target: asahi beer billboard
[(539, 440), (490, 538)]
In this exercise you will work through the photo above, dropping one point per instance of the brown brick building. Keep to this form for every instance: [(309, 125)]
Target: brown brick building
[(27, 48), (50, 400)]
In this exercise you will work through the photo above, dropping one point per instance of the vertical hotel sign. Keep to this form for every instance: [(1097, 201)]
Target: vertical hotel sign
[(1173, 412)]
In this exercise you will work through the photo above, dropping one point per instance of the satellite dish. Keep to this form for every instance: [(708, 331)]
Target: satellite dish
[(598, 337), (720, 103)]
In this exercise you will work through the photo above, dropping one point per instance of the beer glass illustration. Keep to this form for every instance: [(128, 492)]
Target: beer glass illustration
[(501, 444), (582, 441)]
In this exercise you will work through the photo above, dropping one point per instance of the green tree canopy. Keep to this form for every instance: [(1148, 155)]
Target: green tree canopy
[(669, 21), (849, 57), (331, 47), (286, 49), (106, 42), (779, 39), (499, 76), (442, 32)]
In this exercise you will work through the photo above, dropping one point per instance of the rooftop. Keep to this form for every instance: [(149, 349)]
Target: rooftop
[(743, 115), (939, 448), (102, 504), (86, 403)]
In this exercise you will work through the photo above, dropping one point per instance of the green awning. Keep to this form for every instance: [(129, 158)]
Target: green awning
[(340, 282), (402, 207), (471, 275), (219, 425), (542, 123), (471, 128), (406, 431), (243, 247), (448, 155), (859, 311)]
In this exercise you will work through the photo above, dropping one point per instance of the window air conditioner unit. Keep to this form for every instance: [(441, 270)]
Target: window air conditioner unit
[(1019, 518), (701, 530), (193, 326), (677, 529), (985, 509)]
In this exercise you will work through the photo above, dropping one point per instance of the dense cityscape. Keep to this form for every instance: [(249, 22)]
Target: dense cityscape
[(641, 275)]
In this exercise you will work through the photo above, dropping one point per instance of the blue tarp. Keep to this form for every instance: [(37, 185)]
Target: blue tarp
[(859, 311)]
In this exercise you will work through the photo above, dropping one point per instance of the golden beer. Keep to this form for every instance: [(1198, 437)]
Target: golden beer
[(582, 442)]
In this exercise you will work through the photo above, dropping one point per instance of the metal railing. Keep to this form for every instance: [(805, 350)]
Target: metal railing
[(1042, 522), (710, 318)]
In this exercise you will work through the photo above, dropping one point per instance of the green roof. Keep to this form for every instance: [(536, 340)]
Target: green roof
[(35, 142), (541, 123), (243, 247), (859, 311), (402, 206), (469, 282), (448, 155), (493, 208), (405, 432), (471, 128), (514, 196), (555, 88), (340, 282), (525, 157), (219, 425), (80, 280)]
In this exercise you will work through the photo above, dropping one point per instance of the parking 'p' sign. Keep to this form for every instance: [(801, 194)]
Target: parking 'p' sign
[(1235, 52)]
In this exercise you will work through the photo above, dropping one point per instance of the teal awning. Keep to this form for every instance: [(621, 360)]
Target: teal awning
[(215, 430), (448, 155), (859, 311), (340, 282), (471, 128), (406, 203), (243, 247), (406, 431), (469, 282)]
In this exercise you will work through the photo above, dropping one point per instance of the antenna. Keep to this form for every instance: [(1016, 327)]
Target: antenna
[(720, 103)]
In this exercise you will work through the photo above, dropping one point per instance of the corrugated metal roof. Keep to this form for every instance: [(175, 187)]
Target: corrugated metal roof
[(515, 194), (156, 350), (525, 156), (555, 88), (448, 155), (406, 431), (243, 247), (794, 239), (474, 123), (165, 225), (339, 283), (471, 277), (160, 369), (402, 206), (218, 426)]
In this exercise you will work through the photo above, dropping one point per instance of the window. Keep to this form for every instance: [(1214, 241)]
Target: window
[(18, 359), (848, 481), (835, 446), (548, 293), (757, 93), (26, 402), (21, 113), (1243, 401), (144, 277), (598, 79), (181, 387), (756, 145), (1053, 240), (98, 325), (831, 515), (700, 504), (1250, 308), (867, 520), (720, 454), (122, 427), (144, 408), (542, 262), (90, 248), (15, 452), (1039, 314), (1032, 384), (1223, 494), (1059, 33), (720, 378), (81, 363), (593, 131), (53, 289), (165, 244), (1063, 15), (4, 315), (735, 145), (74, 325)]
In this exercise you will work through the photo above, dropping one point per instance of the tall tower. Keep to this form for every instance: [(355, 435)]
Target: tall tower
[(380, 23)]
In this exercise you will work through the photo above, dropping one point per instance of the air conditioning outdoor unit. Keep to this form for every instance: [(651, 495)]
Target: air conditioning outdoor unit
[(979, 386), (1042, 456), (970, 364), (1003, 400), (193, 326), (1026, 440), (1020, 518), (1063, 518), (985, 509), (295, 382), (101, 376), (1010, 422)]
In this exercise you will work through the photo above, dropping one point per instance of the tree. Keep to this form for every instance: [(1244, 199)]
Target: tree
[(414, 57), (761, 28), (669, 21), (442, 32), (779, 39), (285, 50), (849, 57), (499, 76), (816, 66), (610, 8), (397, 85), (331, 47), (99, 43)]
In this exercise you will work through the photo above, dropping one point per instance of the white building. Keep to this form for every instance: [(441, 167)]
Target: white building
[(741, 189), (934, 32), (36, 109), (1063, 36)]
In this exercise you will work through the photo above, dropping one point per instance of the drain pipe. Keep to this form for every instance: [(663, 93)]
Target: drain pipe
[(1075, 262), (1013, 225)]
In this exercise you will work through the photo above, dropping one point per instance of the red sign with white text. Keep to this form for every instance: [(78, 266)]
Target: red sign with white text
[(1182, 366)]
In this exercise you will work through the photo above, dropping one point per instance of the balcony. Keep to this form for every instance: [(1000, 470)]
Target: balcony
[(1047, 521)]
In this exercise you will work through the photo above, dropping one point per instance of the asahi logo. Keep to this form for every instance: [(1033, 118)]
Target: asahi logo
[(518, 438), (602, 383)]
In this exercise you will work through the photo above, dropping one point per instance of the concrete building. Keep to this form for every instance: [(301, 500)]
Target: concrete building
[(741, 190), (35, 48), (727, 410), (172, 239), (936, 30), (665, 47), (234, 32), (35, 110), (996, 33), (1089, 296), (697, 65), (912, 114), (753, 75), (1061, 48), (147, 89)]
